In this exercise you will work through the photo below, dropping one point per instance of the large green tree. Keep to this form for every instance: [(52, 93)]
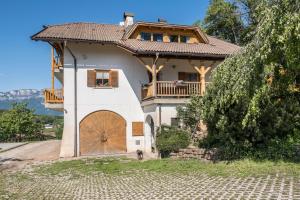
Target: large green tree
[(223, 21), (253, 102), (19, 123)]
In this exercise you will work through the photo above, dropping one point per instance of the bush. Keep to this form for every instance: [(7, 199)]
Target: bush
[(171, 139), (19, 124), (59, 127)]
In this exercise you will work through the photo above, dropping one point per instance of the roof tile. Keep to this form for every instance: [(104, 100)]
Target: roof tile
[(92, 32)]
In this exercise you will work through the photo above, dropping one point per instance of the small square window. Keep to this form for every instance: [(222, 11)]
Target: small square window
[(102, 78), (184, 39), (175, 122), (158, 37), (145, 36), (174, 38), (138, 142)]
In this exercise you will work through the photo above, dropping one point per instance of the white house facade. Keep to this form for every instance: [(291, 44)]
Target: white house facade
[(121, 82)]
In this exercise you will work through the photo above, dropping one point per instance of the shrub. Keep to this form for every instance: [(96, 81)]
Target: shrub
[(171, 139), (19, 124), (59, 127)]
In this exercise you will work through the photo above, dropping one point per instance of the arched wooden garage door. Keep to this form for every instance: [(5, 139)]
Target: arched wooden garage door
[(102, 132)]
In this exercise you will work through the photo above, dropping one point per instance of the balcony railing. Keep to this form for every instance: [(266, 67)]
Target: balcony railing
[(53, 96), (172, 89)]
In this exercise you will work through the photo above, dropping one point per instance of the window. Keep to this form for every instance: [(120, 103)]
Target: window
[(174, 38), (174, 122), (102, 78), (184, 39), (158, 37), (185, 76), (145, 36)]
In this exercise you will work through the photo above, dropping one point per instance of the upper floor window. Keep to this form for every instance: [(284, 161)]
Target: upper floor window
[(102, 78), (184, 39), (145, 36), (158, 37), (174, 38)]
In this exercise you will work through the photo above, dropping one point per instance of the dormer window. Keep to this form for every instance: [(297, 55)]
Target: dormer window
[(173, 38), (158, 37), (184, 39), (145, 36)]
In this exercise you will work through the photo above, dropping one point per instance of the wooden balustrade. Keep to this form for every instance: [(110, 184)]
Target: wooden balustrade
[(53, 96), (172, 89)]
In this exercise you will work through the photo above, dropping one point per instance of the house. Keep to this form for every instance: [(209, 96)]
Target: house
[(121, 82)]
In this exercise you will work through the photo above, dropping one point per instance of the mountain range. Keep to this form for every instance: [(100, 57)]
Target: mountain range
[(34, 98)]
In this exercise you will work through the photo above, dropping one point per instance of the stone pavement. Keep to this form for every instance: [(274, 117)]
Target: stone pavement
[(151, 185)]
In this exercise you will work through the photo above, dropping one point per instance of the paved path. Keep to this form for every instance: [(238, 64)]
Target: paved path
[(7, 146), (150, 185), (35, 151)]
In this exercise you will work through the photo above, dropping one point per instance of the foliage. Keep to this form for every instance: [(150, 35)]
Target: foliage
[(234, 20), (58, 128), (171, 139), (252, 106), (222, 21), (19, 124), (190, 114)]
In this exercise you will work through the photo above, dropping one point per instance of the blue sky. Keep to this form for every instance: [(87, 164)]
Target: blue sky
[(25, 64)]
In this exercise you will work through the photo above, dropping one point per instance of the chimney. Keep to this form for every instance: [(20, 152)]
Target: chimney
[(160, 20), (128, 18)]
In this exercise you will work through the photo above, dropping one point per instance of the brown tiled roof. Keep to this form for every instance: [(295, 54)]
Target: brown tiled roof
[(82, 31), (91, 32)]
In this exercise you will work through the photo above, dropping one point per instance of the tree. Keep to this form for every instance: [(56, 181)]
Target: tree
[(252, 106), (223, 21), (233, 20), (19, 124)]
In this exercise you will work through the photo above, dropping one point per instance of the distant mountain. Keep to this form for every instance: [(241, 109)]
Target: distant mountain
[(34, 98)]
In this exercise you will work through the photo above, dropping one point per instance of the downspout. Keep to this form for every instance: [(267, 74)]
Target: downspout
[(75, 99)]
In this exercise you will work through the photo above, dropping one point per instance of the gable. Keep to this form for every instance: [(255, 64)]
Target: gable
[(194, 33)]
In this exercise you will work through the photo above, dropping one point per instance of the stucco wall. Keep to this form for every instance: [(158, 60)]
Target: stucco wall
[(124, 100)]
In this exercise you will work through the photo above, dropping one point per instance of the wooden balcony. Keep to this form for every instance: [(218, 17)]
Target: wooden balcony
[(177, 89), (53, 96)]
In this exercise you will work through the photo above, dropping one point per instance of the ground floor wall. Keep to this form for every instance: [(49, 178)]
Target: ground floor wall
[(152, 116)]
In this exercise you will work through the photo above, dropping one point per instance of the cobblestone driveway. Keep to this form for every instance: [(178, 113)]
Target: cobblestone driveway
[(152, 185)]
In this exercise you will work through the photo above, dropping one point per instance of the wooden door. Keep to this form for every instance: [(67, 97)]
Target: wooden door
[(102, 132)]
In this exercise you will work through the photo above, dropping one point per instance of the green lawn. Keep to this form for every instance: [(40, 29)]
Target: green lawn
[(123, 165)]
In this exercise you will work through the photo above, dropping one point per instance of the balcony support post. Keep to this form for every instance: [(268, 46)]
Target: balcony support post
[(154, 75), (202, 70)]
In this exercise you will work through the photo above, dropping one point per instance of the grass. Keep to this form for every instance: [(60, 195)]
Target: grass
[(241, 168)]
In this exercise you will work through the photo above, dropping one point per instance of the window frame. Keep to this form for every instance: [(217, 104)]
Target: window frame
[(177, 36), (145, 33), (161, 34), (103, 86), (184, 36)]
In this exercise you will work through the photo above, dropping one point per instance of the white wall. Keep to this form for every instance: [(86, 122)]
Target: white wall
[(124, 100)]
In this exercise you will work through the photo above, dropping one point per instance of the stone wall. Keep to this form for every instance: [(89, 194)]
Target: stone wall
[(195, 153)]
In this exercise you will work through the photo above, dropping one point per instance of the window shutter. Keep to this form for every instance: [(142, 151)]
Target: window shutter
[(91, 78), (137, 129), (114, 78)]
